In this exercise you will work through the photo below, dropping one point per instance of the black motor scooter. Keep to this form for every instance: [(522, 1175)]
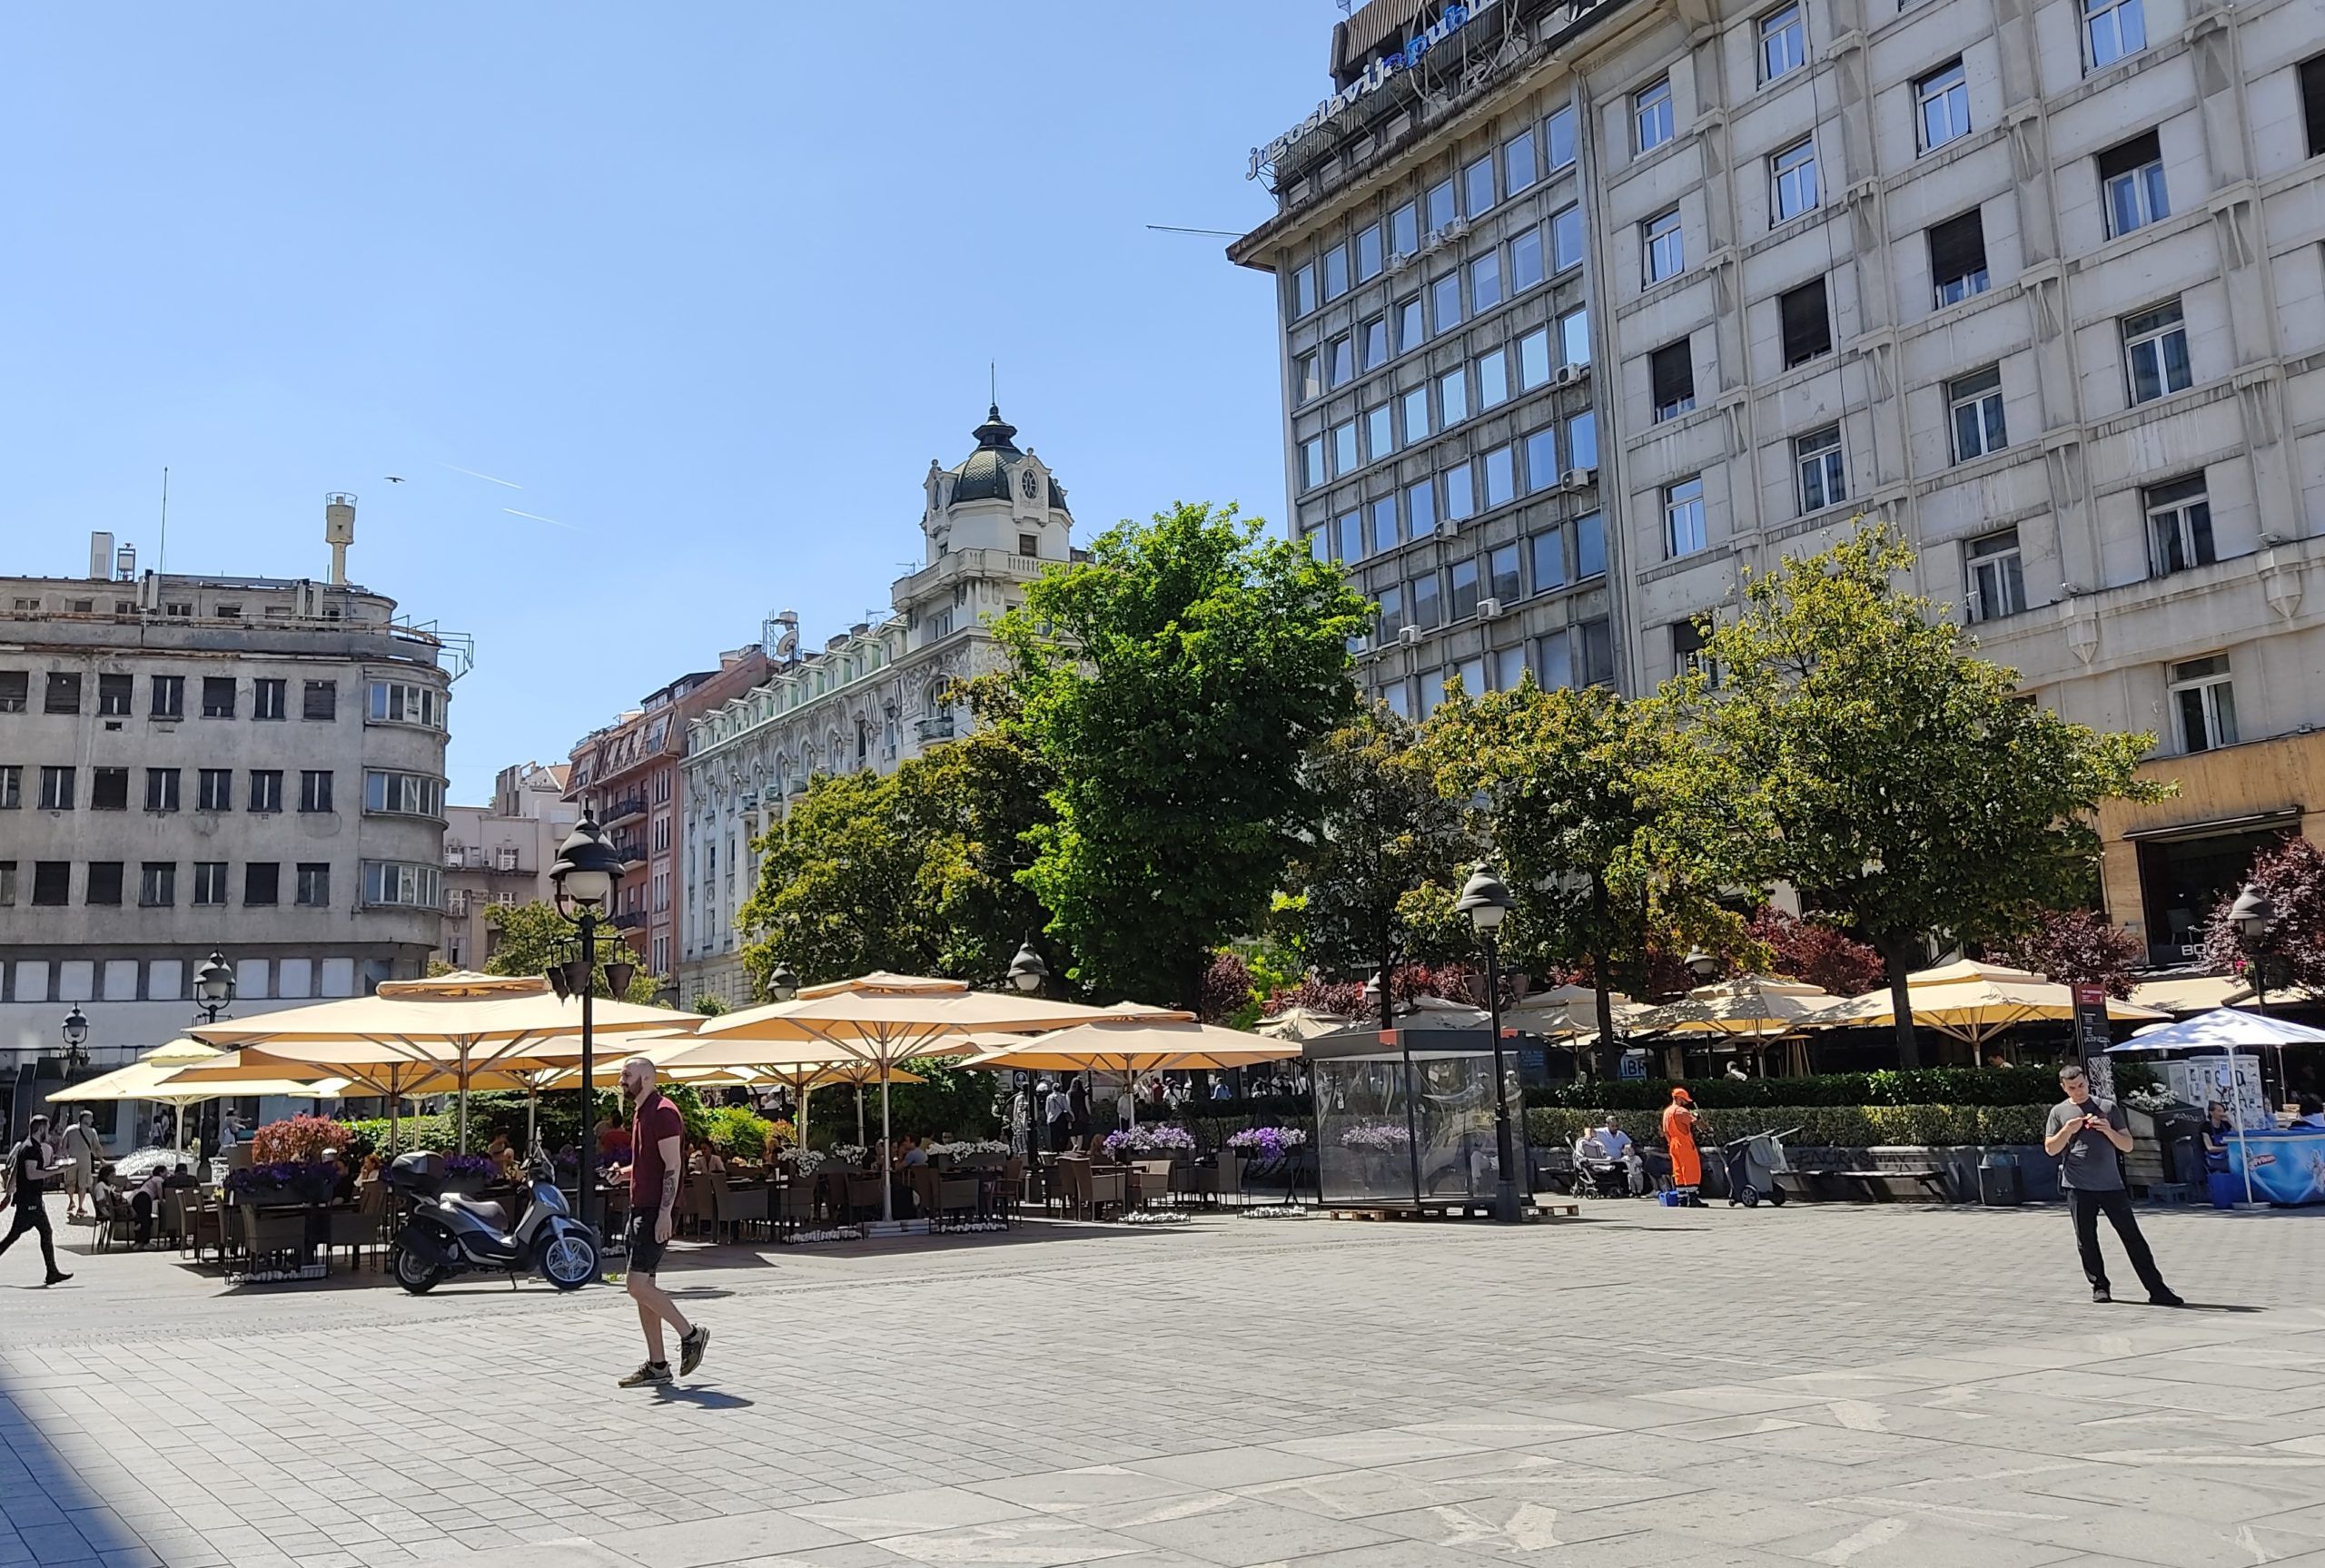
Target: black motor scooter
[(447, 1234)]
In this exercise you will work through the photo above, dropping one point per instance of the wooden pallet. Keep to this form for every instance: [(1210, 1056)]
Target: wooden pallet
[(1552, 1211)]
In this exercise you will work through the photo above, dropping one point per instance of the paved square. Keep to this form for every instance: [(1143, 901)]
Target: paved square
[(1849, 1386)]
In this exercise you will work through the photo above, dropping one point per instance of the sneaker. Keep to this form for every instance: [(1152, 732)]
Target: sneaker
[(690, 1348), (2164, 1299), (59, 1278), (647, 1376), (2102, 1294)]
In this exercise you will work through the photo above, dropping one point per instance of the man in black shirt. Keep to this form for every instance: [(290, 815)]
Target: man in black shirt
[(29, 1165)]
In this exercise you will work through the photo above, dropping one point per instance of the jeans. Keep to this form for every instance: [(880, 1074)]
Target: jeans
[(2117, 1205), (33, 1216)]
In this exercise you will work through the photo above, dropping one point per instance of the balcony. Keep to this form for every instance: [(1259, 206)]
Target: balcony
[(938, 728), (629, 920), (632, 852), (629, 808)]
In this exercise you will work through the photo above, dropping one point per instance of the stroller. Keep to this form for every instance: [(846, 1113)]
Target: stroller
[(1754, 1163), (1600, 1176)]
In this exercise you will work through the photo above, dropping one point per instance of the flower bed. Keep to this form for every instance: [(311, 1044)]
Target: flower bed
[(1161, 1138), (285, 1181), (966, 1147), (1267, 1144)]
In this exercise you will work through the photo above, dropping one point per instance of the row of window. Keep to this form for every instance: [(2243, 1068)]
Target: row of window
[(385, 793), (1581, 654), (64, 692), (1555, 557), (105, 882), (1475, 188), (1436, 406), (1456, 494)]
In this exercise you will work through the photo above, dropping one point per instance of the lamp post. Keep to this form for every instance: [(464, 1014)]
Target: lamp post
[(586, 873), (213, 985), (1702, 967), (76, 1040), (1485, 899), (2254, 915), (1028, 973), (783, 983)]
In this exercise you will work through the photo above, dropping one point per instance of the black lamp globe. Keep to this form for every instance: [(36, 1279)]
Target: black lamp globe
[(1027, 972), (587, 869), (213, 985), (1485, 899), (77, 1028), (1703, 965), (783, 983), (2252, 913)]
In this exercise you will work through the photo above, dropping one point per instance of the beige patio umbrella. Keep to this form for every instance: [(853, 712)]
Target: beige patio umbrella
[(462, 1022), (1968, 1000), (1130, 1047), (803, 1078), (149, 1079), (1302, 1024), (395, 1078), (1758, 1008), (883, 1020)]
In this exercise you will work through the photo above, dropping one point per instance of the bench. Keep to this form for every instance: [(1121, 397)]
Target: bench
[(1931, 1178)]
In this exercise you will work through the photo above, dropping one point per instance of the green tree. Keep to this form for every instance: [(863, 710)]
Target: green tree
[(976, 801), (530, 937), (841, 888), (1174, 682), (1859, 749)]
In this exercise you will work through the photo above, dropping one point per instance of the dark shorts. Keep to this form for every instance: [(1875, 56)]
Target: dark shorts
[(645, 1252)]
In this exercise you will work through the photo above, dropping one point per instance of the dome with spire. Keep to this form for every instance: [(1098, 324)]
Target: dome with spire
[(989, 473)]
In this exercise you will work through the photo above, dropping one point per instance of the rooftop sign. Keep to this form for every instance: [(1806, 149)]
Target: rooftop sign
[(1376, 76)]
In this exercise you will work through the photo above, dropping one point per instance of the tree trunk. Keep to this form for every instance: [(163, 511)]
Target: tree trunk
[(1895, 958), (1610, 1055)]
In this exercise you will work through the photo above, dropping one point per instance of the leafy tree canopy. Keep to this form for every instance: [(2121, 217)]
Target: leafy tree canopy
[(2075, 947), (530, 937)]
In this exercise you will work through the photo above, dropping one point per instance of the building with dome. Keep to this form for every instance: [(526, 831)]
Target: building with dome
[(871, 697)]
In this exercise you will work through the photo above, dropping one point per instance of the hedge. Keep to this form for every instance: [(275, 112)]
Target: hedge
[(1823, 1125), (1955, 1086)]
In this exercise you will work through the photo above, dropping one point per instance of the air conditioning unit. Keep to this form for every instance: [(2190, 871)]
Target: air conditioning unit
[(1457, 228), (1488, 608), (1575, 479), (1565, 376), (1400, 260), (1432, 240), (1408, 634)]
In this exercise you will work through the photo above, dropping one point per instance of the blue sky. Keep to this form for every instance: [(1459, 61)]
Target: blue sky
[(711, 283)]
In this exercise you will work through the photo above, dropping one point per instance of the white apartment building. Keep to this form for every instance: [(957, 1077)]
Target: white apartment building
[(872, 698), (498, 855), (2042, 286)]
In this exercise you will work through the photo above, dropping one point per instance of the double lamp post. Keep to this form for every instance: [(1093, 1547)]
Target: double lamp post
[(1486, 899), (585, 877)]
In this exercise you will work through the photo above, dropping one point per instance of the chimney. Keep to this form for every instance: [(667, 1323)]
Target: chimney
[(101, 556)]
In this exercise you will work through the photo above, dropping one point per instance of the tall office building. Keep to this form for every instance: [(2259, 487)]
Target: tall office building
[(2042, 286)]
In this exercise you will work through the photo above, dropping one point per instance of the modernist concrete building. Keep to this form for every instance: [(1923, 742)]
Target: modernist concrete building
[(498, 855), (2042, 285), (187, 764), (872, 697)]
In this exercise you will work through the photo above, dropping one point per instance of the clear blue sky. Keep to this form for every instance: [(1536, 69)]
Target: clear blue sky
[(712, 282)]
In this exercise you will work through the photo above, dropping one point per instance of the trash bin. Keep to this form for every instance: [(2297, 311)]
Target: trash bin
[(1999, 1186)]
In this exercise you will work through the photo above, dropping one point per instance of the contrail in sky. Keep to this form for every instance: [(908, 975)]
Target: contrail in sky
[(536, 516), (472, 474)]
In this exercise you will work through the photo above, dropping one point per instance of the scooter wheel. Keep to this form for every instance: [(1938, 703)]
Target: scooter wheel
[(568, 1262), (415, 1273)]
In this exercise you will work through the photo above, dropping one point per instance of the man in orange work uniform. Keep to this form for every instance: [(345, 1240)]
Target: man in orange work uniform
[(1680, 1138)]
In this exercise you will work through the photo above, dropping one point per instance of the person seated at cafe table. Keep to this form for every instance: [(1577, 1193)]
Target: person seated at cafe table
[(502, 1156), (910, 1153), (2312, 1117)]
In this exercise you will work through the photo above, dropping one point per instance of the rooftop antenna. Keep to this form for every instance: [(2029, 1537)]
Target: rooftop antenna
[(993, 381), (161, 554)]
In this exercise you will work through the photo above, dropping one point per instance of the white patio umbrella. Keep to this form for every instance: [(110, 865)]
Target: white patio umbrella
[(2224, 1030)]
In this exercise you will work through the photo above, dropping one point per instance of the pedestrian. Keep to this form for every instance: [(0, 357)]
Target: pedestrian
[(656, 1161), (30, 1168), (1126, 1108), (1680, 1138), (1077, 1101), (82, 1147), (1057, 1111), (2089, 1137)]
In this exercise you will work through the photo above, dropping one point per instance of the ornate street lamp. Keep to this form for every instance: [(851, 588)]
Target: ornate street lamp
[(1703, 966), (1486, 899), (2254, 918), (586, 873), (213, 985), (783, 984), (76, 1039), (1027, 972)]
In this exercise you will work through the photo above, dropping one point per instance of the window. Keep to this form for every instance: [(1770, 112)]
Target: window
[(1336, 272), (1683, 518), (1499, 470), (1307, 378), (1392, 614), (1671, 374), (1339, 361), (157, 884), (1554, 660), (161, 789), (2206, 701), (321, 701), (1792, 181), (1651, 115), (56, 789), (1380, 438), (2179, 528), (52, 881), (1784, 43), (1818, 456), (215, 790), (1445, 302), (1974, 404), (1548, 551), (267, 700), (1439, 203), (108, 789), (2131, 179), (15, 687), (2112, 29), (1589, 547), (1311, 462), (1957, 258), (399, 703), (1404, 231), (1347, 536), (1597, 640), (1421, 508), (403, 882), (1416, 405), (1477, 186), (1534, 358), (1460, 494), (1452, 398), (315, 789), (2155, 353), (63, 694), (1385, 523), (1303, 290), (1372, 343), (105, 883), (1318, 541), (1574, 336), (209, 881), (1566, 239), (1461, 602), (1518, 162), (1806, 321), (1582, 440), (262, 882), (1557, 136), (1484, 282), (112, 696), (2312, 103), (402, 793), (217, 696), (1663, 246), (7, 883), (12, 787), (1943, 97), (1501, 574), (1368, 252), (1526, 260), (1027, 545), (1997, 579), (1411, 332), (266, 790), (1687, 650), (1542, 458), (1493, 378), (313, 886), (1425, 602), (1344, 461), (169, 698)]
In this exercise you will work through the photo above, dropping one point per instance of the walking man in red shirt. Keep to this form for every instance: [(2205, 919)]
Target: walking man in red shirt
[(656, 1161)]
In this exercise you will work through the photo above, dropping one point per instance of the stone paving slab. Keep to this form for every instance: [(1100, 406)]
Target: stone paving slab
[(1850, 1386)]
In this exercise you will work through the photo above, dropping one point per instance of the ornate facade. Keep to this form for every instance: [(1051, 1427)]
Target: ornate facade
[(872, 697)]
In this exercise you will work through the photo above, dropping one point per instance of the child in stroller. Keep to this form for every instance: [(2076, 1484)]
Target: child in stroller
[(1605, 1165)]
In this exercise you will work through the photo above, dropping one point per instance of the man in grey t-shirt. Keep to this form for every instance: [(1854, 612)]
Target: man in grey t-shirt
[(2090, 1137)]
